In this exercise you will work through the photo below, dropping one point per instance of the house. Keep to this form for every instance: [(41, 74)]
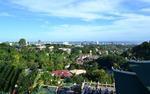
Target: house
[(85, 58), (68, 50), (62, 73), (41, 47), (51, 48)]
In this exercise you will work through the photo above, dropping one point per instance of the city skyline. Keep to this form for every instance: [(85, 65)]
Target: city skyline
[(75, 20)]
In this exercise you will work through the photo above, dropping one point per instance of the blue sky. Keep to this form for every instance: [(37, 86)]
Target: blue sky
[(75, 20)]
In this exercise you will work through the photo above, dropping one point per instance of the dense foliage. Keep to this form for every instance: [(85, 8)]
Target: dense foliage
[(37, 63), (8, 77), (139, 52)]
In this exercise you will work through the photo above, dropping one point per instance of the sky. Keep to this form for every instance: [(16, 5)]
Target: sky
[(75, 20)]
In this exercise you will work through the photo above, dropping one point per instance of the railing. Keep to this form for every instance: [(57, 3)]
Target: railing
[(94, 85), (100, 84)]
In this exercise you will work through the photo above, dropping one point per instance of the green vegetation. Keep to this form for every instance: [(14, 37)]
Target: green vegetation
[(8, 77), (30, 66), (22, 42), (140, 52)]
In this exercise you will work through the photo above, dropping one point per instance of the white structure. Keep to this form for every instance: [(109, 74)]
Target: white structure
[(77, 71), (10, 44), (90, 52), (66, 43), (68, 50), (51, 48), (41, 47), (97, 42)]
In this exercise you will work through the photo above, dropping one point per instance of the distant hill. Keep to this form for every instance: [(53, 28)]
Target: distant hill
[(139, 52)]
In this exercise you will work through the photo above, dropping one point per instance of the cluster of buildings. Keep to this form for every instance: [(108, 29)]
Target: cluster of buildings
[(79, 43), (136, 80), (85, 58)]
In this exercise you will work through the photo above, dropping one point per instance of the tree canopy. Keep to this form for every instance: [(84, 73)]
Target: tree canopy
[(22, 42)]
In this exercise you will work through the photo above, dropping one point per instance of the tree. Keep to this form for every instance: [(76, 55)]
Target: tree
[(22, 42), (142, 51), (110, 61), (99, 75), (139, 52), (78, 79)]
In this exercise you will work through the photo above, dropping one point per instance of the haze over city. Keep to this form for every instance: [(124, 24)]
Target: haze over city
[(75, 20)]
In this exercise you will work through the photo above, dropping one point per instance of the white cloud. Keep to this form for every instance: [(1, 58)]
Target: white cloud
[(129, 26), (133, 28), (84, 9)]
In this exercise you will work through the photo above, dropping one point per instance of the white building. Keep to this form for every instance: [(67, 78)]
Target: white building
[(66, 43), (78, 71), (68, 50), (41, 47), (51, 48)]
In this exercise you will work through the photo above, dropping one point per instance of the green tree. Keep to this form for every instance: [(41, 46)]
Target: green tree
[(110, 61), (22, 42), (78, 79), (99, 75), (139, 52)]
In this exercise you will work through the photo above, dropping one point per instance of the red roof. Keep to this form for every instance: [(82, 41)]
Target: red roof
[(62, 73)]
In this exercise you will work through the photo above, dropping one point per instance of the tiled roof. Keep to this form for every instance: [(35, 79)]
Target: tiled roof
[(62, 73)]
